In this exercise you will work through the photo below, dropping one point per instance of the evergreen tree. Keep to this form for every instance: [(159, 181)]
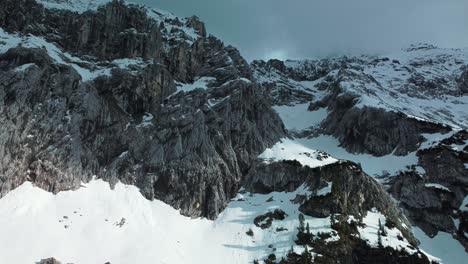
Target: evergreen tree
[(379, 235), (306, 257), (301, 223), (382, 229), (308, 235)]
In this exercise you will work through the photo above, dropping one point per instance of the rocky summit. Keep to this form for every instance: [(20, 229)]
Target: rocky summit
[(131, 135)]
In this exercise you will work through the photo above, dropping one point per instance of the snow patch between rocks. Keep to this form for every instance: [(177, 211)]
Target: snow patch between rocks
[(201, 83), (288, 149), (437, 186)]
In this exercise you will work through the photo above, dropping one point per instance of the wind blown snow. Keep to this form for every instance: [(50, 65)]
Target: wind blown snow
[(288, 149)]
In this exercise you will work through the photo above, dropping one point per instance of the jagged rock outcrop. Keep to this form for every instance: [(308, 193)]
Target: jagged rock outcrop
[(429, 207), (361, 253), (129, 122), (373, 130), (48, 261), (352, 192), (463, 82), (265, 220), (433, 200), (353, 195), (280, 177)]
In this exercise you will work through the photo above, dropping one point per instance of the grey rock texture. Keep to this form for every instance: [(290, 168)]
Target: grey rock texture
[(463, 82), (284, 176), (433, 208), (188, 149), (353, 193), (277, 82), (48, 261), (265, 220), (373, 130)]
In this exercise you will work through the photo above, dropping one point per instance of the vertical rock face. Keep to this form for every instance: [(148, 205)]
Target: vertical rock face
[(374, 130), (350, 198), (49, 261), (113, 109), (463, 82), (435, 199)]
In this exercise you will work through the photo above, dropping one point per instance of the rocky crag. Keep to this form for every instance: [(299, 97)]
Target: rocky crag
[(99, 94)]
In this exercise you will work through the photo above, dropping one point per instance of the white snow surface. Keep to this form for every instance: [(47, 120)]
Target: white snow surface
[(24, 67), (371, 229), (372, 165), (443, 246), (147, 120), (384, 83), (201, 83), (95, 224), (288, 149), (437, 186), (464, 205)]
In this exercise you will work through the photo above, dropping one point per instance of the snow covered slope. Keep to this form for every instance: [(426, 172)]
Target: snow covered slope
[(96, 224), (421, 82)]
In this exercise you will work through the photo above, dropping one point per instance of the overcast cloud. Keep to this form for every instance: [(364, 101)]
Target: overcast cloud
[(317, 28)]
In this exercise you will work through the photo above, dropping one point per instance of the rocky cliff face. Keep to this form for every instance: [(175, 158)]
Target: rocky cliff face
[(343, 192), (435, 199), (115, 109)]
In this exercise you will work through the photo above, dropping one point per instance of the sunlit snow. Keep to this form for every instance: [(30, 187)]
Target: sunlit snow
[(95, 224), (288, 149)]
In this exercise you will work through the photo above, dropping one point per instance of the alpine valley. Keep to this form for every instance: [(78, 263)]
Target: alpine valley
[(130, 135)]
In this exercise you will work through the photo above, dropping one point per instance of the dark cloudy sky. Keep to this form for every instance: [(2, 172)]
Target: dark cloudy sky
[(316, 28)]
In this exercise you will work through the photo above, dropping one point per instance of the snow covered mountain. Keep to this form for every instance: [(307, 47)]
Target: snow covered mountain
[(402, 117), (423, 81), (129, 135)]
